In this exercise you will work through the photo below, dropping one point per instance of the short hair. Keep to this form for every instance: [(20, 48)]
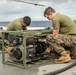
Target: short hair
[(27, 20), (48, 10)]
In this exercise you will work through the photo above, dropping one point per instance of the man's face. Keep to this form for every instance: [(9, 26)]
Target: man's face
[(50, 16), (23, 23)]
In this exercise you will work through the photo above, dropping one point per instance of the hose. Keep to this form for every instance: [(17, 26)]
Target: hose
[(62, 69)]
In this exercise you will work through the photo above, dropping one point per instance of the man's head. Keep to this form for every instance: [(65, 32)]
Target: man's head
[(49, 13), (26, 20)]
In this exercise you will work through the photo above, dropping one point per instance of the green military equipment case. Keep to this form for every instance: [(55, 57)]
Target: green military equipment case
[(24, 48)]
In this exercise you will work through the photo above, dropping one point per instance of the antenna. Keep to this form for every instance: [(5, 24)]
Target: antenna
[(36, 4)]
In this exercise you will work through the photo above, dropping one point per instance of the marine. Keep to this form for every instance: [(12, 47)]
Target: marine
[(63, 36)]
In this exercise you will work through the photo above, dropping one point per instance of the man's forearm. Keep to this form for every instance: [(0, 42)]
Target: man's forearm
[(56, 31)]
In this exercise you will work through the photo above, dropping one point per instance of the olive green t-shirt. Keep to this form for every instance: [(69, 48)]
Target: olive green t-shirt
[(15, 25), (64, 23)]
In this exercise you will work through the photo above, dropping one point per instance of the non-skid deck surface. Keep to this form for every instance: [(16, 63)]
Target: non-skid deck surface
[(36, 70)]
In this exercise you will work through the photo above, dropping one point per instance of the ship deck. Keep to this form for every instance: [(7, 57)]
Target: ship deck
[(36, 70)]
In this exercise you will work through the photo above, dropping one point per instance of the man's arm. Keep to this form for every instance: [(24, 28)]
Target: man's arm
[(56, 31)]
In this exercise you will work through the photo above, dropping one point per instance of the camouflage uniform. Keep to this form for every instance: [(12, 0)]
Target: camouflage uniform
[(60, 41)]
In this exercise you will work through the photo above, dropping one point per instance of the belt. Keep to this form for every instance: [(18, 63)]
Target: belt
[(73, 34)]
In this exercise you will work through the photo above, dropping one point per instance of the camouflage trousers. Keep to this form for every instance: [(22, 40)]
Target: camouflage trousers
[(60, 41)]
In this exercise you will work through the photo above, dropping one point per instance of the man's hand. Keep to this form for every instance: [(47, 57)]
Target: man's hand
[(48, 49), (56, 31)]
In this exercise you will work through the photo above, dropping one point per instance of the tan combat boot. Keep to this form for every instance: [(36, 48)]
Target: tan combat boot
[(73, 52), (65, 57), (9, 50)]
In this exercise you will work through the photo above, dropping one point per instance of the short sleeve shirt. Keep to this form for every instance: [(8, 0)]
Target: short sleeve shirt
[(15, 25), (64, 23)]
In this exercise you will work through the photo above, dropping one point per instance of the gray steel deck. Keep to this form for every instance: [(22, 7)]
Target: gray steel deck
[(36, 70)]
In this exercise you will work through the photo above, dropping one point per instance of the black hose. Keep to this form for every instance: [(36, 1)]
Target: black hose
[(62, 69)]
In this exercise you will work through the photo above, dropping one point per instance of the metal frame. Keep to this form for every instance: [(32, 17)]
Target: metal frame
[(23, 64)]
